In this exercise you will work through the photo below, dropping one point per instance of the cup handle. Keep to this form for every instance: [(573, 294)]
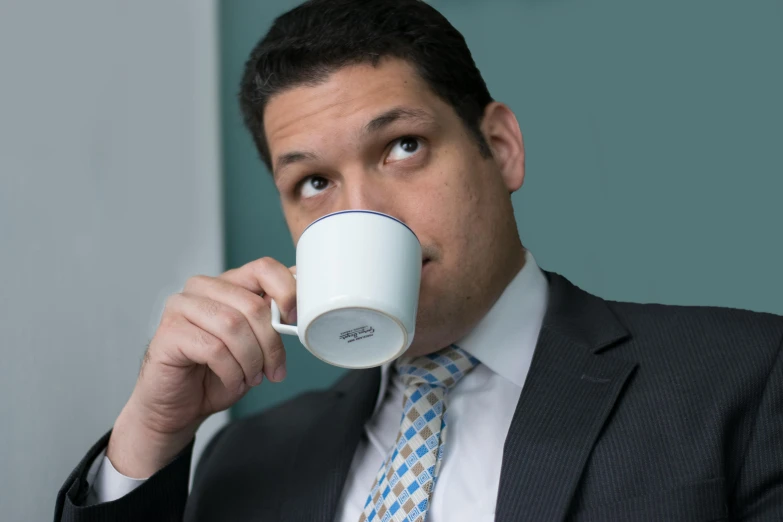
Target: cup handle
[(280, 327)]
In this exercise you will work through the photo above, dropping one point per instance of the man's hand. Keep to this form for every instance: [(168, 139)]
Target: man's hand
[(214, 342)]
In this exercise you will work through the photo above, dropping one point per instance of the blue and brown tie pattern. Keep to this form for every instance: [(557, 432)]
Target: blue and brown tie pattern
[(403, 487)]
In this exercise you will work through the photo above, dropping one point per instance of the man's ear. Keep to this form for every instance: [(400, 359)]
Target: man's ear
[(501, 130)]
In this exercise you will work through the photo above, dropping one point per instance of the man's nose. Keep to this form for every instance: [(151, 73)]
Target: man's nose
[(367, 194)]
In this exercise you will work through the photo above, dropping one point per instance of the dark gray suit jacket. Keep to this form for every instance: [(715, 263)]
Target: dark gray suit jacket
[(636, 412)]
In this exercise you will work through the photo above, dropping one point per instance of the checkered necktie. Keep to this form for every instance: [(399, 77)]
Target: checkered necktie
[(404, 484)]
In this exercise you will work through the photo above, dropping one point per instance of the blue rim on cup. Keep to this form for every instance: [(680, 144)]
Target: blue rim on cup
[(359, 211)]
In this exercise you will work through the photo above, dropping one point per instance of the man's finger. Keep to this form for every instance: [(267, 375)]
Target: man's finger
[(227, 324), (255, 309), (269, 276)]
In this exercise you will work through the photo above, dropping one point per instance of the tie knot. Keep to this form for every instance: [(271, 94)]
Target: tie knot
[(443, 368)]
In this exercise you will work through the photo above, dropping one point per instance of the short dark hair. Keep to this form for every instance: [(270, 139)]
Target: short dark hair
[(311, 41)]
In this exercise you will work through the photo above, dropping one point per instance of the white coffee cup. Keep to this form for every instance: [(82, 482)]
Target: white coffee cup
[(357, 288)]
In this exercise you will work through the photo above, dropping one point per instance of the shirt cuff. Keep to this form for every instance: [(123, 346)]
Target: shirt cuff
[(106, 483)]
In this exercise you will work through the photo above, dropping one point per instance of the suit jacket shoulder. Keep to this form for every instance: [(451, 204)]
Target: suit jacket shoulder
[(700, 343), (697, 417)]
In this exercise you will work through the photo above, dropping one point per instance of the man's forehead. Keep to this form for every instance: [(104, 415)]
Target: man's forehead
[(354, 99), (346, 91)]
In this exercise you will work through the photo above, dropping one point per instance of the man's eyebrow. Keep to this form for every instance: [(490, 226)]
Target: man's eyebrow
[(284, 160), (395, 114)]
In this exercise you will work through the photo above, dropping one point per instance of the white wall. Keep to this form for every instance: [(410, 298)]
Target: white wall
[(109, 201)]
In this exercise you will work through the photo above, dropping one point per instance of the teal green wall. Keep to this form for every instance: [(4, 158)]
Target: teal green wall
[(653, 130)]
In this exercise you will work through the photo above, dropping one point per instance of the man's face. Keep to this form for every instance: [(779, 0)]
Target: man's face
[(378, 138)]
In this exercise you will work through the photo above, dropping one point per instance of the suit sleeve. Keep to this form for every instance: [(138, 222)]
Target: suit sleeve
[(759, 491), (161, 498)]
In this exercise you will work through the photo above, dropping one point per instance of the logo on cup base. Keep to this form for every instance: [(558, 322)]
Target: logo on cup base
[(357, 334)]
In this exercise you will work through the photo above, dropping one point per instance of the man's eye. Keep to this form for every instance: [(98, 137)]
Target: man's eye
[(312, 186), (404, 148)]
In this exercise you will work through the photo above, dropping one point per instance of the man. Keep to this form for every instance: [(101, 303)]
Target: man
[(564, 406)]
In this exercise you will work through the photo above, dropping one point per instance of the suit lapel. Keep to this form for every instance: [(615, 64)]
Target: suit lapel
[(324, 454), (569, 393)]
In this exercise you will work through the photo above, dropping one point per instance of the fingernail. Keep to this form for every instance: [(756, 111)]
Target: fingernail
[(292, 316), (242, 388), (280, 373), (258, 378)]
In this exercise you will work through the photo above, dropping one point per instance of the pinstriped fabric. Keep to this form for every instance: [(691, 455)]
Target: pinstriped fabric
[(165, 501), (404, 484), (610, 442)]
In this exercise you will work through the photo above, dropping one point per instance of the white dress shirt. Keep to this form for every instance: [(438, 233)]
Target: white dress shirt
[(480, 408)]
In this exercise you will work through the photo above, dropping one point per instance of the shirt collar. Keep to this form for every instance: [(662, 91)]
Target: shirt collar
[(505, 338)]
